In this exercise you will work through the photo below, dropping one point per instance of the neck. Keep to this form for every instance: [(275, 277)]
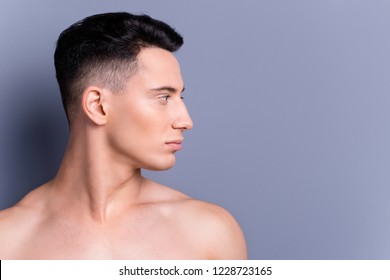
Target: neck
[(95, 181)]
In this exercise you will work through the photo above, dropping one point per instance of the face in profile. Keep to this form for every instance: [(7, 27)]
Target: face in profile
[(147, 121)]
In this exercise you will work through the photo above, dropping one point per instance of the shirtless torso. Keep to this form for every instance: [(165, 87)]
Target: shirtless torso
[(165, 225)]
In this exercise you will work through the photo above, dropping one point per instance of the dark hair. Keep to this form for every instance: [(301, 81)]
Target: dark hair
[(102, 50)]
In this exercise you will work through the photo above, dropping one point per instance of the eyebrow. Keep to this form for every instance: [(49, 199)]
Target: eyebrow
[(167, 88)]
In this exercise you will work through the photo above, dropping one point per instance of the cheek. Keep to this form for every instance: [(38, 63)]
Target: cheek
[(145, 123), (141, 143), (136, 127), (130, 129)]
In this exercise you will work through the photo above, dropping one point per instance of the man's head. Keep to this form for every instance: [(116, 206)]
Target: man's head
[(102, 50)]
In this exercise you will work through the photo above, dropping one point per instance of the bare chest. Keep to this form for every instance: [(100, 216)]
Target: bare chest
[(158, 239)]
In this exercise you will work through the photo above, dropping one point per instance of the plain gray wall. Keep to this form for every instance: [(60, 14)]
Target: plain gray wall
[(290, 101)]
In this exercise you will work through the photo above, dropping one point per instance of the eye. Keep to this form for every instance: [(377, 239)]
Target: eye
[(164, 98)]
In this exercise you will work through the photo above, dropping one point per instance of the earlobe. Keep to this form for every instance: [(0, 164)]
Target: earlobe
[(93, 105)]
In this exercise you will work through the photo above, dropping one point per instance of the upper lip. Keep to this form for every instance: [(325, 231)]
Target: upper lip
[(176, 141)]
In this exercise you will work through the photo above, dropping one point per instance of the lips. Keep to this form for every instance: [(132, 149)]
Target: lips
[(175, 144)]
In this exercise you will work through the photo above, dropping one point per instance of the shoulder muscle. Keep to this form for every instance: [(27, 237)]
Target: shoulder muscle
[(216, 231)]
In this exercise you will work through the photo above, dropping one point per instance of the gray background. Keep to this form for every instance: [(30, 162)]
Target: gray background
[(290, 101)]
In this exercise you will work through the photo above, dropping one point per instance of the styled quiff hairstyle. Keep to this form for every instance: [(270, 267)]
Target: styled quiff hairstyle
[(102, 50)]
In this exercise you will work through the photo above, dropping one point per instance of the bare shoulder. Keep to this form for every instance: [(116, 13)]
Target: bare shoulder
[(211, 228), (15, 215), (16, 223), (12, 226), (215, 229)]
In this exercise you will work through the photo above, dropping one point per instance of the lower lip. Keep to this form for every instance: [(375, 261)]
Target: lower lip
[(175, 146)]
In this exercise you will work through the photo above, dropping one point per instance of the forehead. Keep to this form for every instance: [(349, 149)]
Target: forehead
[(159, 67)]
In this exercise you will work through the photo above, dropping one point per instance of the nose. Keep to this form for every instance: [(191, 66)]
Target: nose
[(182, 120)]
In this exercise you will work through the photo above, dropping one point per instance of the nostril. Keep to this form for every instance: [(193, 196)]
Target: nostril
[(182, 124), (188, 126)]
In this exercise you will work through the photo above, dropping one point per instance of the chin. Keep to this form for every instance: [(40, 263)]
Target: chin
[(161, 165)]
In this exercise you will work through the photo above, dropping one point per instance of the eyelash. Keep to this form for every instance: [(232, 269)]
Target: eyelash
[(166, 97)]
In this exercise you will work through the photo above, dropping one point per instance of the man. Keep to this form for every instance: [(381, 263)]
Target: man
[(121, 88)]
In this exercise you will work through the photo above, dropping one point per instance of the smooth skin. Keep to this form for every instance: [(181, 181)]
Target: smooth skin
[(99, 206)]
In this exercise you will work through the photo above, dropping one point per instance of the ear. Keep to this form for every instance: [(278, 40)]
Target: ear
[(93, 105)]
